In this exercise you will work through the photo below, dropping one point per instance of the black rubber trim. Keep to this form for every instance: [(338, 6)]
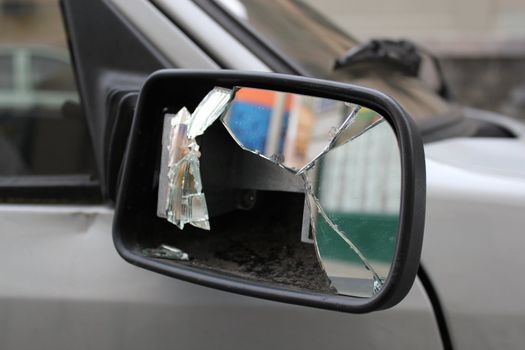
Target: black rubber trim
[(49, 189), (136, 200), (438, 309)]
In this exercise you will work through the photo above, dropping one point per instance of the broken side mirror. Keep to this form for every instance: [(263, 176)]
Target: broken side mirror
[(280, 187)]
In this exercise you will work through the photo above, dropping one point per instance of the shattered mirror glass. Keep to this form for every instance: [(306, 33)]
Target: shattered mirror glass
[(184, 203), (346, 156)]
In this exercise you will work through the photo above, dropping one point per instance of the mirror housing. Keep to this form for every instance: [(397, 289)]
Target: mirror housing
[(136, 225)]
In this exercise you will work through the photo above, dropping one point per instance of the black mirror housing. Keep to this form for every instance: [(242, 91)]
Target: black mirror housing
[(137, 226)]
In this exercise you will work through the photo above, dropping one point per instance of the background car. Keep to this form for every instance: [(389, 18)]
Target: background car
[(37, 80)]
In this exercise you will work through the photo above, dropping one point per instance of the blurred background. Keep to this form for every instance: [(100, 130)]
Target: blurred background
[(481, 43), (42, 129)]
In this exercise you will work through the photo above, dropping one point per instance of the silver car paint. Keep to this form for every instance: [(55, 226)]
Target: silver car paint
[(63, 286), (474, 239)]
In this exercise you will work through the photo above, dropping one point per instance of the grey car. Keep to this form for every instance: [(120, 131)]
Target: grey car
[(63, 285)]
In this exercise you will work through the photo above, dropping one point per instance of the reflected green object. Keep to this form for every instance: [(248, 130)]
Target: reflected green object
[(359, 186), (374, 234)]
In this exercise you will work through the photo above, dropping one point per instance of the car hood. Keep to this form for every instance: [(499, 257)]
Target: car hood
[(485, 156), (491, 156), (474, 236)]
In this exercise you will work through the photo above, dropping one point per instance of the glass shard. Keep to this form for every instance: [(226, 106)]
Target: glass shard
[(211, 108), (378, 284), (357, 185), (331, 231), (355, 125), (185, 202), (165, 251)]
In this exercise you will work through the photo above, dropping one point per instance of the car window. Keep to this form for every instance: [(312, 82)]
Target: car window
[(295, 30), (6, 72), (51, 74), (43, 131)]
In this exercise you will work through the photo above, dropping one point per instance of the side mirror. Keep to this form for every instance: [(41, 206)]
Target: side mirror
[(286, 188)]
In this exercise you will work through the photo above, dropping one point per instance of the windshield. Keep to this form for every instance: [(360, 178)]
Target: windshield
[(312, 42)]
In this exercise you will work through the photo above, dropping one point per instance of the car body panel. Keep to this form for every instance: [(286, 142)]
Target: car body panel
[(63, 285), (474, 235)]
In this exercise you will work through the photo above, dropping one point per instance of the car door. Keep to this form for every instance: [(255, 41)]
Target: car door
[(62, 284)]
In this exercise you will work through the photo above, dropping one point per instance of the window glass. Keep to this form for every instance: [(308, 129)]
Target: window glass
[(51, 74), (42, 128), (6, 72), (314, 43), (296, 30)]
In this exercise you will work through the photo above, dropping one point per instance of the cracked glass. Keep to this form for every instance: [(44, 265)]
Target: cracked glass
[(185, 202), (346, 156)]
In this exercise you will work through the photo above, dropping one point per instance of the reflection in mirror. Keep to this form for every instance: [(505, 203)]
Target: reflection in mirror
[(291, 129), (345, 154), (350, 162), (357, 194)]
